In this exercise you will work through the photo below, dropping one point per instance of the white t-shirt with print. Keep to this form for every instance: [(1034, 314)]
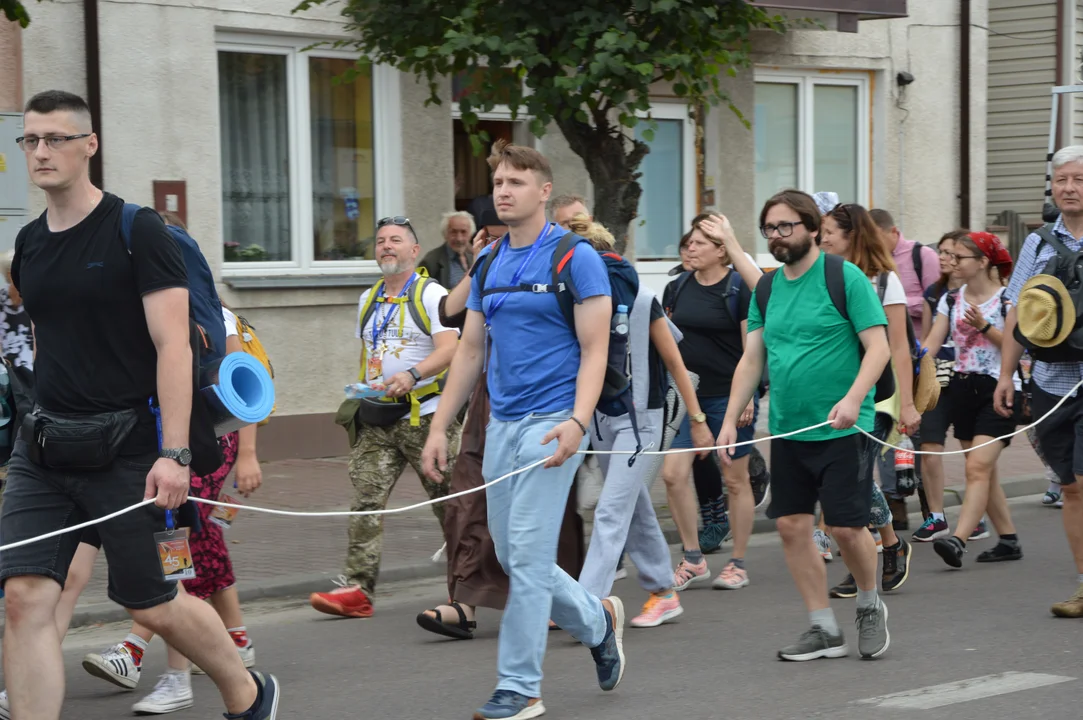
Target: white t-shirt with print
[(975, 353), (412, 345)]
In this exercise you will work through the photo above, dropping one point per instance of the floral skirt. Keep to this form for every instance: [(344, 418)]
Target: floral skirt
[(214, 571)]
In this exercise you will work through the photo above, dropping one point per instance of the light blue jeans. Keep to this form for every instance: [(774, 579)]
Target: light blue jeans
[(525, 515), (624, 518)]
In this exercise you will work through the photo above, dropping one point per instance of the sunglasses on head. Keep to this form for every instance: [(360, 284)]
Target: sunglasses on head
[(394, 220)]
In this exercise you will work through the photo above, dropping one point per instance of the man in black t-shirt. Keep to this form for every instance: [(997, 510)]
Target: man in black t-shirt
[(111, 332)]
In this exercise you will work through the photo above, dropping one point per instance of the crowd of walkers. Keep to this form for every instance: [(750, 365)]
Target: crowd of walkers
[(508, 356)]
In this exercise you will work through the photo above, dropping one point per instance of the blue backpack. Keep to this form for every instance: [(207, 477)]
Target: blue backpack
[(616, 398), (205, 308)]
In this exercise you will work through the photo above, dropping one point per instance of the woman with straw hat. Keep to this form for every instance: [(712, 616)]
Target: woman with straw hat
[(974, 315)]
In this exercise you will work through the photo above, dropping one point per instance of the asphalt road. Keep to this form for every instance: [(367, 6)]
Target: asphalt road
[(967, 627)]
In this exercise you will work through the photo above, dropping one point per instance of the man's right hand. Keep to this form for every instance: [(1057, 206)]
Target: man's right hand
[(728, 436), (1004, 397), (434, 456)]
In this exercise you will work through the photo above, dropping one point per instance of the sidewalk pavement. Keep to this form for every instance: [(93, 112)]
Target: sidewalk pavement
[(277, 556)]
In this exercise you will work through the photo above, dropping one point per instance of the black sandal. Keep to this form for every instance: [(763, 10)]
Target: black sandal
[(463, 631)]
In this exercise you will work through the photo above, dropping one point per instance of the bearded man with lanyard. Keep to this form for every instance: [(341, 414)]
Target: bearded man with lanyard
[(405, 352)]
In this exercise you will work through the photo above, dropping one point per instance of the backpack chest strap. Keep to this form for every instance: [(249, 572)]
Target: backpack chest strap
[(536, 288)]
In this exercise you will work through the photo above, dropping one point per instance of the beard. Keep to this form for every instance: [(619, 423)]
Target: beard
[(390, 266), (790, 254)]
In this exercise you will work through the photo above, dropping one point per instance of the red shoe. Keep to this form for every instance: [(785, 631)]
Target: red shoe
[(346, 600)]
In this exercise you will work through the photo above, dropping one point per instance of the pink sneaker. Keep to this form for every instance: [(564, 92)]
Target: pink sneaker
[(687, 573), (659, 608), (731, 578)]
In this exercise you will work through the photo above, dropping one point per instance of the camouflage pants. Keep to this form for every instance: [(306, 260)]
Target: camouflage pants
[(376, 462)]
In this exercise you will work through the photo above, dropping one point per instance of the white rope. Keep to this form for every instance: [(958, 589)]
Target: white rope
[(518, 471)]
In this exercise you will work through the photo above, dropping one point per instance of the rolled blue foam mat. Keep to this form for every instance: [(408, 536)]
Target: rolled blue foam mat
[(239, 391)]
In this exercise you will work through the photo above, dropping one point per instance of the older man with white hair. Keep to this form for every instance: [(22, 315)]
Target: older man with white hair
[(1060, 436), (450, 262)]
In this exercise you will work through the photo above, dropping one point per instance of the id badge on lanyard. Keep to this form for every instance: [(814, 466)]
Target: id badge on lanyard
[(374, 372)]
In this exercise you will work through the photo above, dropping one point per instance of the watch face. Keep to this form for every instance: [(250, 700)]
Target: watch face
[(185, 456)]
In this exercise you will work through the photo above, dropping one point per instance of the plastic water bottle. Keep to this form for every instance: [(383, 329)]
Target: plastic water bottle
[(618, 338), (906, 479)]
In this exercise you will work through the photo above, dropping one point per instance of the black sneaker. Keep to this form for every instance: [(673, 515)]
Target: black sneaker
[(268, 692), (845, 589), (759, 477), (951, 550), (896, 566), (1003, 551)]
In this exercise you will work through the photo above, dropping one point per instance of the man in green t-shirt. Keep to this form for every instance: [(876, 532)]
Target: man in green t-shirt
[(817, 375)]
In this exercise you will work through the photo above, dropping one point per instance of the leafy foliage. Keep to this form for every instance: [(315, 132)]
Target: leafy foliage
[(587, 65), (15, 11)]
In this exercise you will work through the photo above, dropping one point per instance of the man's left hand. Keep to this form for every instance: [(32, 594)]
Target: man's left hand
[(167, 483), (400, 384)]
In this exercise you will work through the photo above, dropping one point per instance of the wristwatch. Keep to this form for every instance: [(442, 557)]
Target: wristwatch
[(698, 417), (182, 456), (986, 329), (414, 374)]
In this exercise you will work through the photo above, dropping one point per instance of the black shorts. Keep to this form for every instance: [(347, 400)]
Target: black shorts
[(833, 472), (935, 422), (971, 411), (1061, 434), (38, 500)]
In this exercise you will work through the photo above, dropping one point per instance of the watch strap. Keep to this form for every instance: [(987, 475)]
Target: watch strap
[(415, 374)]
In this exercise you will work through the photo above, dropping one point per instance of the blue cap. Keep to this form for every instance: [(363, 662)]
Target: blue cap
[(622, 308)]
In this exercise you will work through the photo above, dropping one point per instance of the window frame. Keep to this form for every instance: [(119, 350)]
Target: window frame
[(806, 82), (662, 110), (387, 151)]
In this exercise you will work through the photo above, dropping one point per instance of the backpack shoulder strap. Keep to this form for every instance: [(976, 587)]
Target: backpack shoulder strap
[(681, 281), (763, 293), (881, 286), (370, 304), (915, 256), (1046, 234), (481, 269), (562, 281), (417, 305), (1003, 303), (953, 295), (836, 283), (732, 294), (127, 219)]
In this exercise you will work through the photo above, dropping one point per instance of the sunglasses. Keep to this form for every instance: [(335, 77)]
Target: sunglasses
[(394, 220)]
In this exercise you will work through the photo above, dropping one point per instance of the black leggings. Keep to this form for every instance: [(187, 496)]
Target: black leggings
[(708, 479)]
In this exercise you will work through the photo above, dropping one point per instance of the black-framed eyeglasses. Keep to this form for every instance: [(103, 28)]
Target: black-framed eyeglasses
[(784, 229), (55, 142)]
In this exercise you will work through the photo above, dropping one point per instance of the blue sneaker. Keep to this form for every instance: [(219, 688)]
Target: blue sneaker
[(712, 536), (510, 705), (266, 707), (609, 654)]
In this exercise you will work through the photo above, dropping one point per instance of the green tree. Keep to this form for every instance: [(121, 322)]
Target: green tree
[(587, 65), (15, 11)]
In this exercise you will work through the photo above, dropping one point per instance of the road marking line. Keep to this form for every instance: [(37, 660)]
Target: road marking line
[(934, 696)]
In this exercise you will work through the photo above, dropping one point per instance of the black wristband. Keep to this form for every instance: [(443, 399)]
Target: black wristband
[(985, 329), (582, 427)]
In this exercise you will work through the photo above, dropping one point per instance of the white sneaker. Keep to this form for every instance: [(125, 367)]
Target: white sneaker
[(5, 709), (248, 657), (172, 693), (115, 665), (620, 575), (823, 544)]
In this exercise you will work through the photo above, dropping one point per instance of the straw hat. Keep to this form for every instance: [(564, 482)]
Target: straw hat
[(1045, 311), (926, 385)]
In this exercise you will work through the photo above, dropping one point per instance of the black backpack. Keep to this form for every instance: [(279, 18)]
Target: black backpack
[(1066, 266), (836, 288)]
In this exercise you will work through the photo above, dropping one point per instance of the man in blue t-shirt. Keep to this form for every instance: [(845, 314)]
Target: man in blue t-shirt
[(545, 379)]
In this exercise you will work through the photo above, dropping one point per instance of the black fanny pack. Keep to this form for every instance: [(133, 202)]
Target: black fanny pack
[(76, 442), (381, 413)]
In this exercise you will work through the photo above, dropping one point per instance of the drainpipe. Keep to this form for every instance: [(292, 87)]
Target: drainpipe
[(94, 85), (964, 113)]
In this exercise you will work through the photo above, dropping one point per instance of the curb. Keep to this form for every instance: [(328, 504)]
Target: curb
[(301, 585)]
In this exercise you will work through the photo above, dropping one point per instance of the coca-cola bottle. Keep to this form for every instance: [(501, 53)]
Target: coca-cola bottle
[(906, 479)]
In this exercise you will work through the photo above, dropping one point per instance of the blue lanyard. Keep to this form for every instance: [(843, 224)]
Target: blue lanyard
[(377, 334), (498, 302)]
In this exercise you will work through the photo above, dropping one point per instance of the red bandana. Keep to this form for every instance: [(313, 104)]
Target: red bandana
[(992, 248)]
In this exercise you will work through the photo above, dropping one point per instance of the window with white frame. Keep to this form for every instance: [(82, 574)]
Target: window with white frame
[(812, 132), (668, 181), (308, 155)]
